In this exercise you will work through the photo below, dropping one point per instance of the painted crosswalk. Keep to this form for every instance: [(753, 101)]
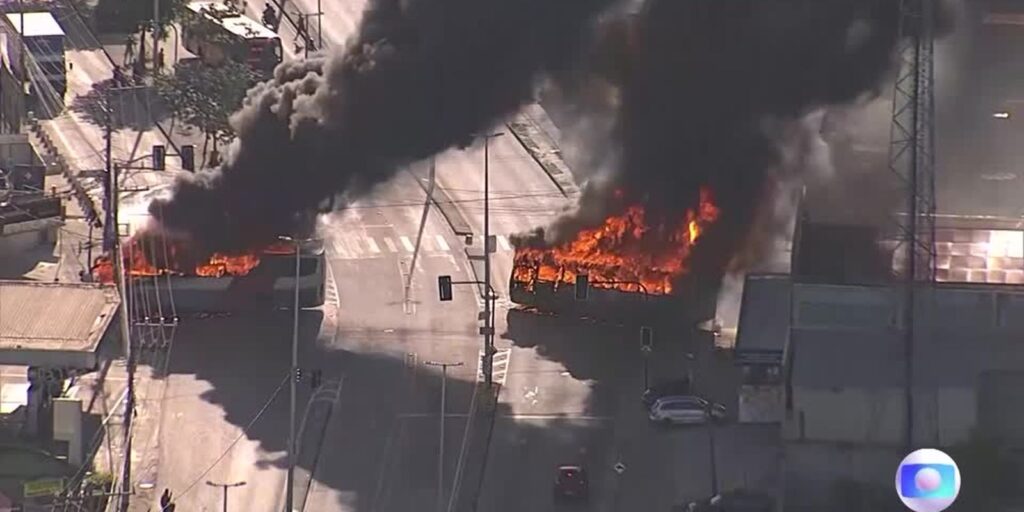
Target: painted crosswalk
[(346, 246), (502, 360)]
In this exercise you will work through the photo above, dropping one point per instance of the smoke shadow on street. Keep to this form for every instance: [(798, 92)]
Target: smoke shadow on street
[(133, 107)]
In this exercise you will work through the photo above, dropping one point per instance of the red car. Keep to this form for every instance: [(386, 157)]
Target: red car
[(571, 483)]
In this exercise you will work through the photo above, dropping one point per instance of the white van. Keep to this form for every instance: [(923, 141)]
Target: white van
[(685, 410)]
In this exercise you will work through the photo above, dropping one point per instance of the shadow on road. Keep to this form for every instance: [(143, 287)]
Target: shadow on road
[(135, 107)]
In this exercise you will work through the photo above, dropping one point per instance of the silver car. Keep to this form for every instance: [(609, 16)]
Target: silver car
[(685, 410)]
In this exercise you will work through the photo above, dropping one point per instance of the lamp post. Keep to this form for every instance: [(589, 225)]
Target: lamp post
[(290, 481), (225, 487), (488, 306), (440, 452)]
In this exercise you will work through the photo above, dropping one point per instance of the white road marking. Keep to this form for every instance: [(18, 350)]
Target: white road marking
[(504, 243), (391, 245), (339, 248), (442, 244), (372, 244), (499, 366), (406, 243)]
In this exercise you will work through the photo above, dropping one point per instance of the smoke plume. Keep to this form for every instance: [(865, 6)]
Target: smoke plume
[(731, 95), (420, 76)]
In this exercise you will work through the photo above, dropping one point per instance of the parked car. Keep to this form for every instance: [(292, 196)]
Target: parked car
[(685, 410), (734, 501), (668, 388), (571, 483)]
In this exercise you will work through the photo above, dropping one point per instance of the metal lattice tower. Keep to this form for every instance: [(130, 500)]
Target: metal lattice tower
[(912, 160), (912, 139)]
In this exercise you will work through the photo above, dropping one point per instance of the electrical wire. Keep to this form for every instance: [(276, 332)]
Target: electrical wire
[(244, 432)]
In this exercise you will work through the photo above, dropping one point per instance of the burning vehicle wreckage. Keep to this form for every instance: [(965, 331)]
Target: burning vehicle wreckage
[(633, 266), (165, 271)]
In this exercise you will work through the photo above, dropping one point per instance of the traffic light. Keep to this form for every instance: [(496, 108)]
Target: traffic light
[(646, 336), (159, 154), (188, 157), (582, 286), (298, 375), (444, 288)]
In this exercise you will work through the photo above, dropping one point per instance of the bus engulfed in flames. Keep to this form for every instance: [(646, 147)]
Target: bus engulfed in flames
[(626, 253), (147, 256), (258, 279)]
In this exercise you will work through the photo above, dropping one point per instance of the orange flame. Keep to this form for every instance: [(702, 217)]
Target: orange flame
[(624, 253), (145, 257)]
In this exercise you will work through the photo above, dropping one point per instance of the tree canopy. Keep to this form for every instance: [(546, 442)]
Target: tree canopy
[(205, 96)]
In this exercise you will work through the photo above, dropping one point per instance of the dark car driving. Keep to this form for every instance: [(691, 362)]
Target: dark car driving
[(571, 483), (663, 389)]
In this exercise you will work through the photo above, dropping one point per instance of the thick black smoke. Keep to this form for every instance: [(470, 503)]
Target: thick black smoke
[(419, 77), (729, 94)]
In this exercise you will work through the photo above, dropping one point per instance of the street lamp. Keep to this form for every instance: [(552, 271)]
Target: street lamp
[(440, 452), (290, 491), (225, 487), (488, 309)]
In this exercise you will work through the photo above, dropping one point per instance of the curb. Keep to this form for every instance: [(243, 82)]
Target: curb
[(543, 149), (447, 207), (326, 336)]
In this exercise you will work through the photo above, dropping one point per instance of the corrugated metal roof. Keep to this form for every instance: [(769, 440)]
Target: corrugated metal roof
[(764, 313), (54, 316), (37, 24)]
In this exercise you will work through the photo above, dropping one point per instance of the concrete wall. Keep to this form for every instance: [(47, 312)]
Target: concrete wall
[(22, 241), (876, 416), (812, 470), (15, 149)]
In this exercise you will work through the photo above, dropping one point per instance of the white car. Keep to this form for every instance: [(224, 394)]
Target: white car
[(685, 410)]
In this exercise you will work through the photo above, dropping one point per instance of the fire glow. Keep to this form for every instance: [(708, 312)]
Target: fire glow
[(150, 257), (624, 253)]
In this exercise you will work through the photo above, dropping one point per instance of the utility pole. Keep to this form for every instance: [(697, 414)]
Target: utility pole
[(488, 328), (110, 225), (440, 451), (156, 34), (120, 276), (225, 487), (319, 25), (290, 481), (419, 234)]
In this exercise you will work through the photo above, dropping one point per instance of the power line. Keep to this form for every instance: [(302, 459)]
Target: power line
[(244, 432)]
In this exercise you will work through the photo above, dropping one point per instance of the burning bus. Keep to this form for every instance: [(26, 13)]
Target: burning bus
[(631, 266), (260, 279)]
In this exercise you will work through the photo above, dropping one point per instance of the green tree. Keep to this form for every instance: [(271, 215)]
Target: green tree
[(205, 96)]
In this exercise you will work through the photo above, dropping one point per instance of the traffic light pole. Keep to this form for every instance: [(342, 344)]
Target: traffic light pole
[(488, 328)]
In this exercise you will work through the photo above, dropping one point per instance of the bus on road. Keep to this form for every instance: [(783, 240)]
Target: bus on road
[(215, 32)]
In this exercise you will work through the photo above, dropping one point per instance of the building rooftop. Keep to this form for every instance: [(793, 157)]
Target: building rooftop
[(764, 314), (42, 323), (37, 24)]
